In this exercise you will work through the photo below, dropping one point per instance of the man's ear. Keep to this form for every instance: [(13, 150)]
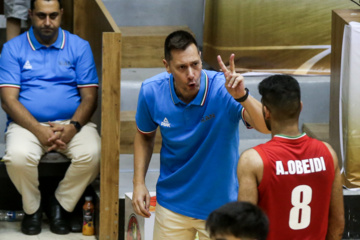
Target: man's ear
[(301, 106), (166, 64), (266, 112), (30, 13)]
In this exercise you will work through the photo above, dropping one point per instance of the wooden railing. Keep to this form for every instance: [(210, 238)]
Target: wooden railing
[(93, 23)]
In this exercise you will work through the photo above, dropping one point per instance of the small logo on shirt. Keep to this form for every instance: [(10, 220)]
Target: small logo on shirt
[(208, 117), (27, 65), (64, 63), (165, 123)]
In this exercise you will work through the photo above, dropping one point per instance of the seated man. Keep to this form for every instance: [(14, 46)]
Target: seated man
[(295, 179), (49, 86), (237, 221)]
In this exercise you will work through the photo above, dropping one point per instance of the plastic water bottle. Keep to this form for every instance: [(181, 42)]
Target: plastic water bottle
[(11, 216)]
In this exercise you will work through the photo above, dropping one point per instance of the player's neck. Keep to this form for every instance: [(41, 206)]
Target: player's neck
[(290, 130)]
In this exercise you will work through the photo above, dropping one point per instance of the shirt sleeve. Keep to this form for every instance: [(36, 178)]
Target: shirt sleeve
[(85, 68), (10, 73), (247, 125), (144, 120)]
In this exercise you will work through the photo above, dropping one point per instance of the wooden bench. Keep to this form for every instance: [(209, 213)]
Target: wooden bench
[(319, 131), (127, 133)]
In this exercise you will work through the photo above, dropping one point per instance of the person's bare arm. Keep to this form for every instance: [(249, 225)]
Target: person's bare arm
[(87, 106), (13, 28), (253, 114), (235, 85), (143, 149), (249, 170), (336, 214)]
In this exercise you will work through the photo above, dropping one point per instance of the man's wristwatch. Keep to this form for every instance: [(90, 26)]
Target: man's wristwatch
[(77, 125), (243, 98)]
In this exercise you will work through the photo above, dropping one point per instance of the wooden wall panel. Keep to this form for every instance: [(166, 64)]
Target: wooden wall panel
[(340, 18), (68, 17), (143, 46), (270, 35)]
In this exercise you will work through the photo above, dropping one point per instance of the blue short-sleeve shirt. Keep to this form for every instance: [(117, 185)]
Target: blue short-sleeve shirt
[(49, 78), (200, 142)]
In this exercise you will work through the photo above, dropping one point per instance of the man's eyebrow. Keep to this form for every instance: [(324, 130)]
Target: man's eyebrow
[(43, 13)]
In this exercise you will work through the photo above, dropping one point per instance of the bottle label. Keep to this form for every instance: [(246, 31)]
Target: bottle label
[(88, 216), (88, 224), (11, 216)]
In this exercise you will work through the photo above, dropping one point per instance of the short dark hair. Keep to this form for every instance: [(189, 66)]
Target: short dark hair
[(281, 95), (178, 40), (32, 4), (238, 219)]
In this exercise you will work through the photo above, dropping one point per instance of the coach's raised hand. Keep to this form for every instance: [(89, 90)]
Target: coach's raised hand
[(234, 81)]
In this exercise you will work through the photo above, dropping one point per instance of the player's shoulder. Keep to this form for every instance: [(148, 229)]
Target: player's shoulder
[(332, 152), (321, 143), (327, 145), (250, 158)]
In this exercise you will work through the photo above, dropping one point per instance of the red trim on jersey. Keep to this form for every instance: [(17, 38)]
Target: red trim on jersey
[(145, 133), (9, 86)]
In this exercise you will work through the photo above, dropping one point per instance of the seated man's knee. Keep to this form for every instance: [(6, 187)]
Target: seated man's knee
[(90, 158), (21, 158)]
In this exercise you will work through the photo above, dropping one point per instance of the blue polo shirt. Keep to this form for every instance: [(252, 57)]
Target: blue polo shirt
[(49, 78), (200, 143)]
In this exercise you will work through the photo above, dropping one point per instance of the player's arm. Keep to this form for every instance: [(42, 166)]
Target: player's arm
[(143, 149), (249, 171), (336, 213)]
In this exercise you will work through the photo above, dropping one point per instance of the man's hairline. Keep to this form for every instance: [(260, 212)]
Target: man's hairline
[(179, 49), (60, 7)]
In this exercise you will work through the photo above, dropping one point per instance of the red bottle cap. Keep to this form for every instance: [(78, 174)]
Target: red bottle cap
[(153, 201)]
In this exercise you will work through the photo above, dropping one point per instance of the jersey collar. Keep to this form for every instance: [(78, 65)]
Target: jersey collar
[(34, 44), (289, 137), (200, 97)]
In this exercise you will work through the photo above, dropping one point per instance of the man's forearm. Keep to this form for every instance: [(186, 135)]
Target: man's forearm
[(20, 115), (254, 109), (143, 148), (86, 109)]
